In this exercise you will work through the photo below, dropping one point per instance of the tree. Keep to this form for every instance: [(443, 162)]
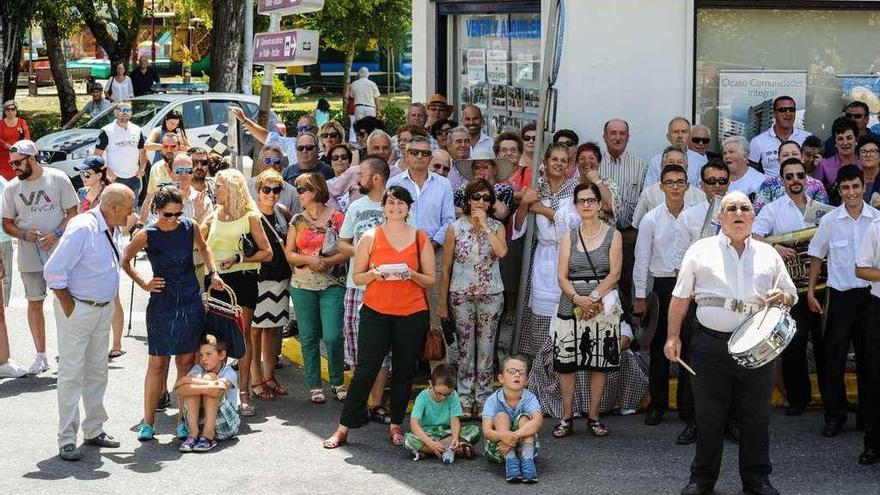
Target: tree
[(351, 25), (55, 27), (114, 24), (15, 15), (226, 45)]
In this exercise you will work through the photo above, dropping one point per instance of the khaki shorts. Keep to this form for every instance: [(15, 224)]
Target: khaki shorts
[(34, 286)]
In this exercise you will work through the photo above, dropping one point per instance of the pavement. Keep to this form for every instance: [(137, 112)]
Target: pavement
[(279, 450)]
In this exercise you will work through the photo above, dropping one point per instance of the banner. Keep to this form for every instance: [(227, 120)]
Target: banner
[(745, 99)]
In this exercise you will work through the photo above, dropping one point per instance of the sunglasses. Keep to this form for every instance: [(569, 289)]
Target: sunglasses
[(200, 163), (528, 139), (437, 167), (740, 208), (17, 163), (272, 190), (675, 183), (306, 128), (303, 189), (566, 144), (169, 146), (276, 160), (339, 158), (305, 147), (792, 175), (330, 135), (183, 170), (515, 372), (854, 116), (10, 108), (699, 140), (443, 132), (123, 110), (85, 174), (586, 201), (481, 197), (168, 214), (716, 181), (421, 153), (785, 110)]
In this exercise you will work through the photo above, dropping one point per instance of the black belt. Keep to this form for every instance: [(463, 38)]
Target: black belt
[(364, 105), (715, 334), (94, 304)]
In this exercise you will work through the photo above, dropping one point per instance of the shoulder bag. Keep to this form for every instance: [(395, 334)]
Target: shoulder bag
[(434, 348)]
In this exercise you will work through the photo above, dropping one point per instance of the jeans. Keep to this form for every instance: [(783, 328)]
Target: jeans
[(134, 183), (319, 315)]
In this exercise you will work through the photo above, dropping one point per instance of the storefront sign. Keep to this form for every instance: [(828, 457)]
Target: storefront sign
[(745, 100), (496, 66), (503, 27), (285, 7), (286, 48), (476, 65)]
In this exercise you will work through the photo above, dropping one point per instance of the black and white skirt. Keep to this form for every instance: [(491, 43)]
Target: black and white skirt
[(273, 303)]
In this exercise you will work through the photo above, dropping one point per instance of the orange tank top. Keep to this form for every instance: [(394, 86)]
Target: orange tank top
[(395, 297)]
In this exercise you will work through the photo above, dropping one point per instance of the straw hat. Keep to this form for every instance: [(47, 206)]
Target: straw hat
[(503, 167)]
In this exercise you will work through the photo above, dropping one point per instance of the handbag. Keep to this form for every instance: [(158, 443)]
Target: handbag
[(434, 348), (224, 320), (247, 245), (331, 247)]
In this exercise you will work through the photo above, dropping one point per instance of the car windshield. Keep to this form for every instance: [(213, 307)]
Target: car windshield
[(142, 112)]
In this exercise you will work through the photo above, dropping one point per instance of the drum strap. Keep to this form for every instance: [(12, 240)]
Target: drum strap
[(734, 305)]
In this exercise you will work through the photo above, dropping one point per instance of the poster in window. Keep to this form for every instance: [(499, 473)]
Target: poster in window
[(478, 95), (476, 65), (499, 97), (515, 103), (745, 99), (864, 88), (525, 70), (531, 100), (496, 66)]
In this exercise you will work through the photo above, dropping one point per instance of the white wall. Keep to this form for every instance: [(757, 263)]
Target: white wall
[(424, 19), (628, 58)]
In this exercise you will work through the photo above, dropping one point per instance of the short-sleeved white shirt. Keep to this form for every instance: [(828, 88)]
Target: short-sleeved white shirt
[(764, 147), (869, 253), (749, 183), (364, 92), (838, 238)]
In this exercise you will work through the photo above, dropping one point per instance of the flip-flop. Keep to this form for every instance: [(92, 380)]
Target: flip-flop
[(115, 353)]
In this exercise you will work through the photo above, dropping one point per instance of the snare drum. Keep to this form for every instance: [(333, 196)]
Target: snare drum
[(762, 337)]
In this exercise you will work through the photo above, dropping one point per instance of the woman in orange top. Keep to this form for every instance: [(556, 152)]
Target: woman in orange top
[(396, 263)]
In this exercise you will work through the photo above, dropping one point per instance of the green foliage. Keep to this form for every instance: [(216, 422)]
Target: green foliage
[(347, 23), (280, 92), (393, 116), (44, 123)]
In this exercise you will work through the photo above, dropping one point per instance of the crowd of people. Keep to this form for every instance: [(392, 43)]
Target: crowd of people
[(385, 239)]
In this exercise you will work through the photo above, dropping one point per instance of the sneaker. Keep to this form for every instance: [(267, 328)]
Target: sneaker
[(182, 431), (529, 473), (512, 471), (11, 369), (187, 445), (204, 444), (145, 432), (164, 402), (39, 365), (69, 452)]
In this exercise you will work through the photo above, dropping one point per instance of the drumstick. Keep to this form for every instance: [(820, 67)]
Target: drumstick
[(767, 305), (685, 365)]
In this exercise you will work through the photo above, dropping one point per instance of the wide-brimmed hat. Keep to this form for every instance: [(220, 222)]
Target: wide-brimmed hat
[(503, 167), (438, 99)]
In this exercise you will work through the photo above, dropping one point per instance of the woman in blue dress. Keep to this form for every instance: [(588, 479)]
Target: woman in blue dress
[(175, 312)]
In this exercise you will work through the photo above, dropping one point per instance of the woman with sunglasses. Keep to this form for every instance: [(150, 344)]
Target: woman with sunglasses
[(317, 285), (339, 157), (331, 134), (12, 128), (175, 312), (471, 287), (440, 132), (273, 299), (171, 123)]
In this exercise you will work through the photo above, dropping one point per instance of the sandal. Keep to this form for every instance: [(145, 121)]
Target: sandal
[(337, 439), (467, 450), (340, 391), (276, 387), (245, 409), (265, 392), (316, 395), (596, 427), (396, 435), (380, 415), (564, 428)]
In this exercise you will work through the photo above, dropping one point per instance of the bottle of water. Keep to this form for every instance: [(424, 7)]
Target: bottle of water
[(448, 455)]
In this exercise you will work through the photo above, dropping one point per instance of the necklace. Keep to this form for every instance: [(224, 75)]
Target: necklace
[(594, 234)]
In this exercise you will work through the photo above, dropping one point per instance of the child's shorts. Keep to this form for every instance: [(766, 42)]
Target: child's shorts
[(228, 420), (469, 433), (492, 452)]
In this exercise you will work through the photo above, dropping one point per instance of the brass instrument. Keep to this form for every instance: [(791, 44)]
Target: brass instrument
[(799, 268)]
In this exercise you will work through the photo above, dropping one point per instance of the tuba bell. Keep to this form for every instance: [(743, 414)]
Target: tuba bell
[(799, 268)]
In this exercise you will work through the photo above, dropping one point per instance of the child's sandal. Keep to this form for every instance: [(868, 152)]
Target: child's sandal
[(564, 428), (396, 435), (245, 409), (467, 450), (596, 427)]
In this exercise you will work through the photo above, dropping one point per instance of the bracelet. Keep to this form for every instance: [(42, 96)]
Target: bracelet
[(59, 232), (239, 258)]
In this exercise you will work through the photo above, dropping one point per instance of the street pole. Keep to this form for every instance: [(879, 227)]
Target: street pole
[(266, 87), (247, 73)]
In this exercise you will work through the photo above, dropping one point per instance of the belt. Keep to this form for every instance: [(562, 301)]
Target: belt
[(734, 305), (92, 303), (364, 105), (715, 334)]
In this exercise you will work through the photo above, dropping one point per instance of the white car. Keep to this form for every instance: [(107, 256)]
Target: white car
[(202, 114)]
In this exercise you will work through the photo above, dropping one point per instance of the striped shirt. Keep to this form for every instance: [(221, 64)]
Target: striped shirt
[(628, 171)]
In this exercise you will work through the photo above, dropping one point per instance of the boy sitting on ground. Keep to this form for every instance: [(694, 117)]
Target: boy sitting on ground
[(435, 421), (209, 398), (511, 421)]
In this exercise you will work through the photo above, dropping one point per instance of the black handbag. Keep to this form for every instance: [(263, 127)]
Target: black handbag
[(247, 245)]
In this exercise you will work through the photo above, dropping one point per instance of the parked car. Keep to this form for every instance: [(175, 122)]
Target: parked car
[(202, 114)]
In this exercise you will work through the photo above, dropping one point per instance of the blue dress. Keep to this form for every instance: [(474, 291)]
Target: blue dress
[(175, 316)]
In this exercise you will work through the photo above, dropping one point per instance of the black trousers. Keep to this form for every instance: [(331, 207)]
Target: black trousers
[(658, 370), (720, 383), (870, 404), (377, 333), (795, 372), (847, 322)]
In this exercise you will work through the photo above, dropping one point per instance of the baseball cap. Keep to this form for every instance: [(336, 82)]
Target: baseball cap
[(95, 87), (24, 147), (92, 162)]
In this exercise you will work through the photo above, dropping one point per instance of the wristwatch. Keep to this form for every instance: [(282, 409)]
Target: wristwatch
[(594, 296)]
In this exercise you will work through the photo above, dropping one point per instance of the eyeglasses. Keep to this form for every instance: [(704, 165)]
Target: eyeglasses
[(272, 190), (443, 132), (481, 197), (330, 135), (306, 128), (305, 147), (529, 139), (200, 163), (275, 160), (716, 181), (699, 140), (864, 152), (303, 189), (10, 108), (168, 214), (123, 110), (792, 175), (586, 201), (675, 183), (735, 208), (85, 174), (436, 167), (785, 110), (854, 116), (421, 153), (339, 158), (438, 393), (515, 372), (18, 163), (183, 170)]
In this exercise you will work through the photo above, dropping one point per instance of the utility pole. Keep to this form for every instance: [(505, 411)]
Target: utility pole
[(247, 73)]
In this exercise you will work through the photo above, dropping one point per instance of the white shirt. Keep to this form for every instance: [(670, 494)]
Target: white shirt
[(121, 147), (713, 268), (839, 237), (364, 92), (485, 144), (748, 183), (695, 162), (653, 197), (120, 91), (688, 228), (779, 217), (652, 254), (869, 253), (765, 146)]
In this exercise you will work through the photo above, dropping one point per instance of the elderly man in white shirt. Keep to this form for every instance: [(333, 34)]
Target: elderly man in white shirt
[(784, 215), (83, 272), (365, 94), (678, 132), (652, 196), (729, 276), (838, 238), (743, 178)]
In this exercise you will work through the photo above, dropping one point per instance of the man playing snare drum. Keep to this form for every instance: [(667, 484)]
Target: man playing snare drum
[(730, 276)]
